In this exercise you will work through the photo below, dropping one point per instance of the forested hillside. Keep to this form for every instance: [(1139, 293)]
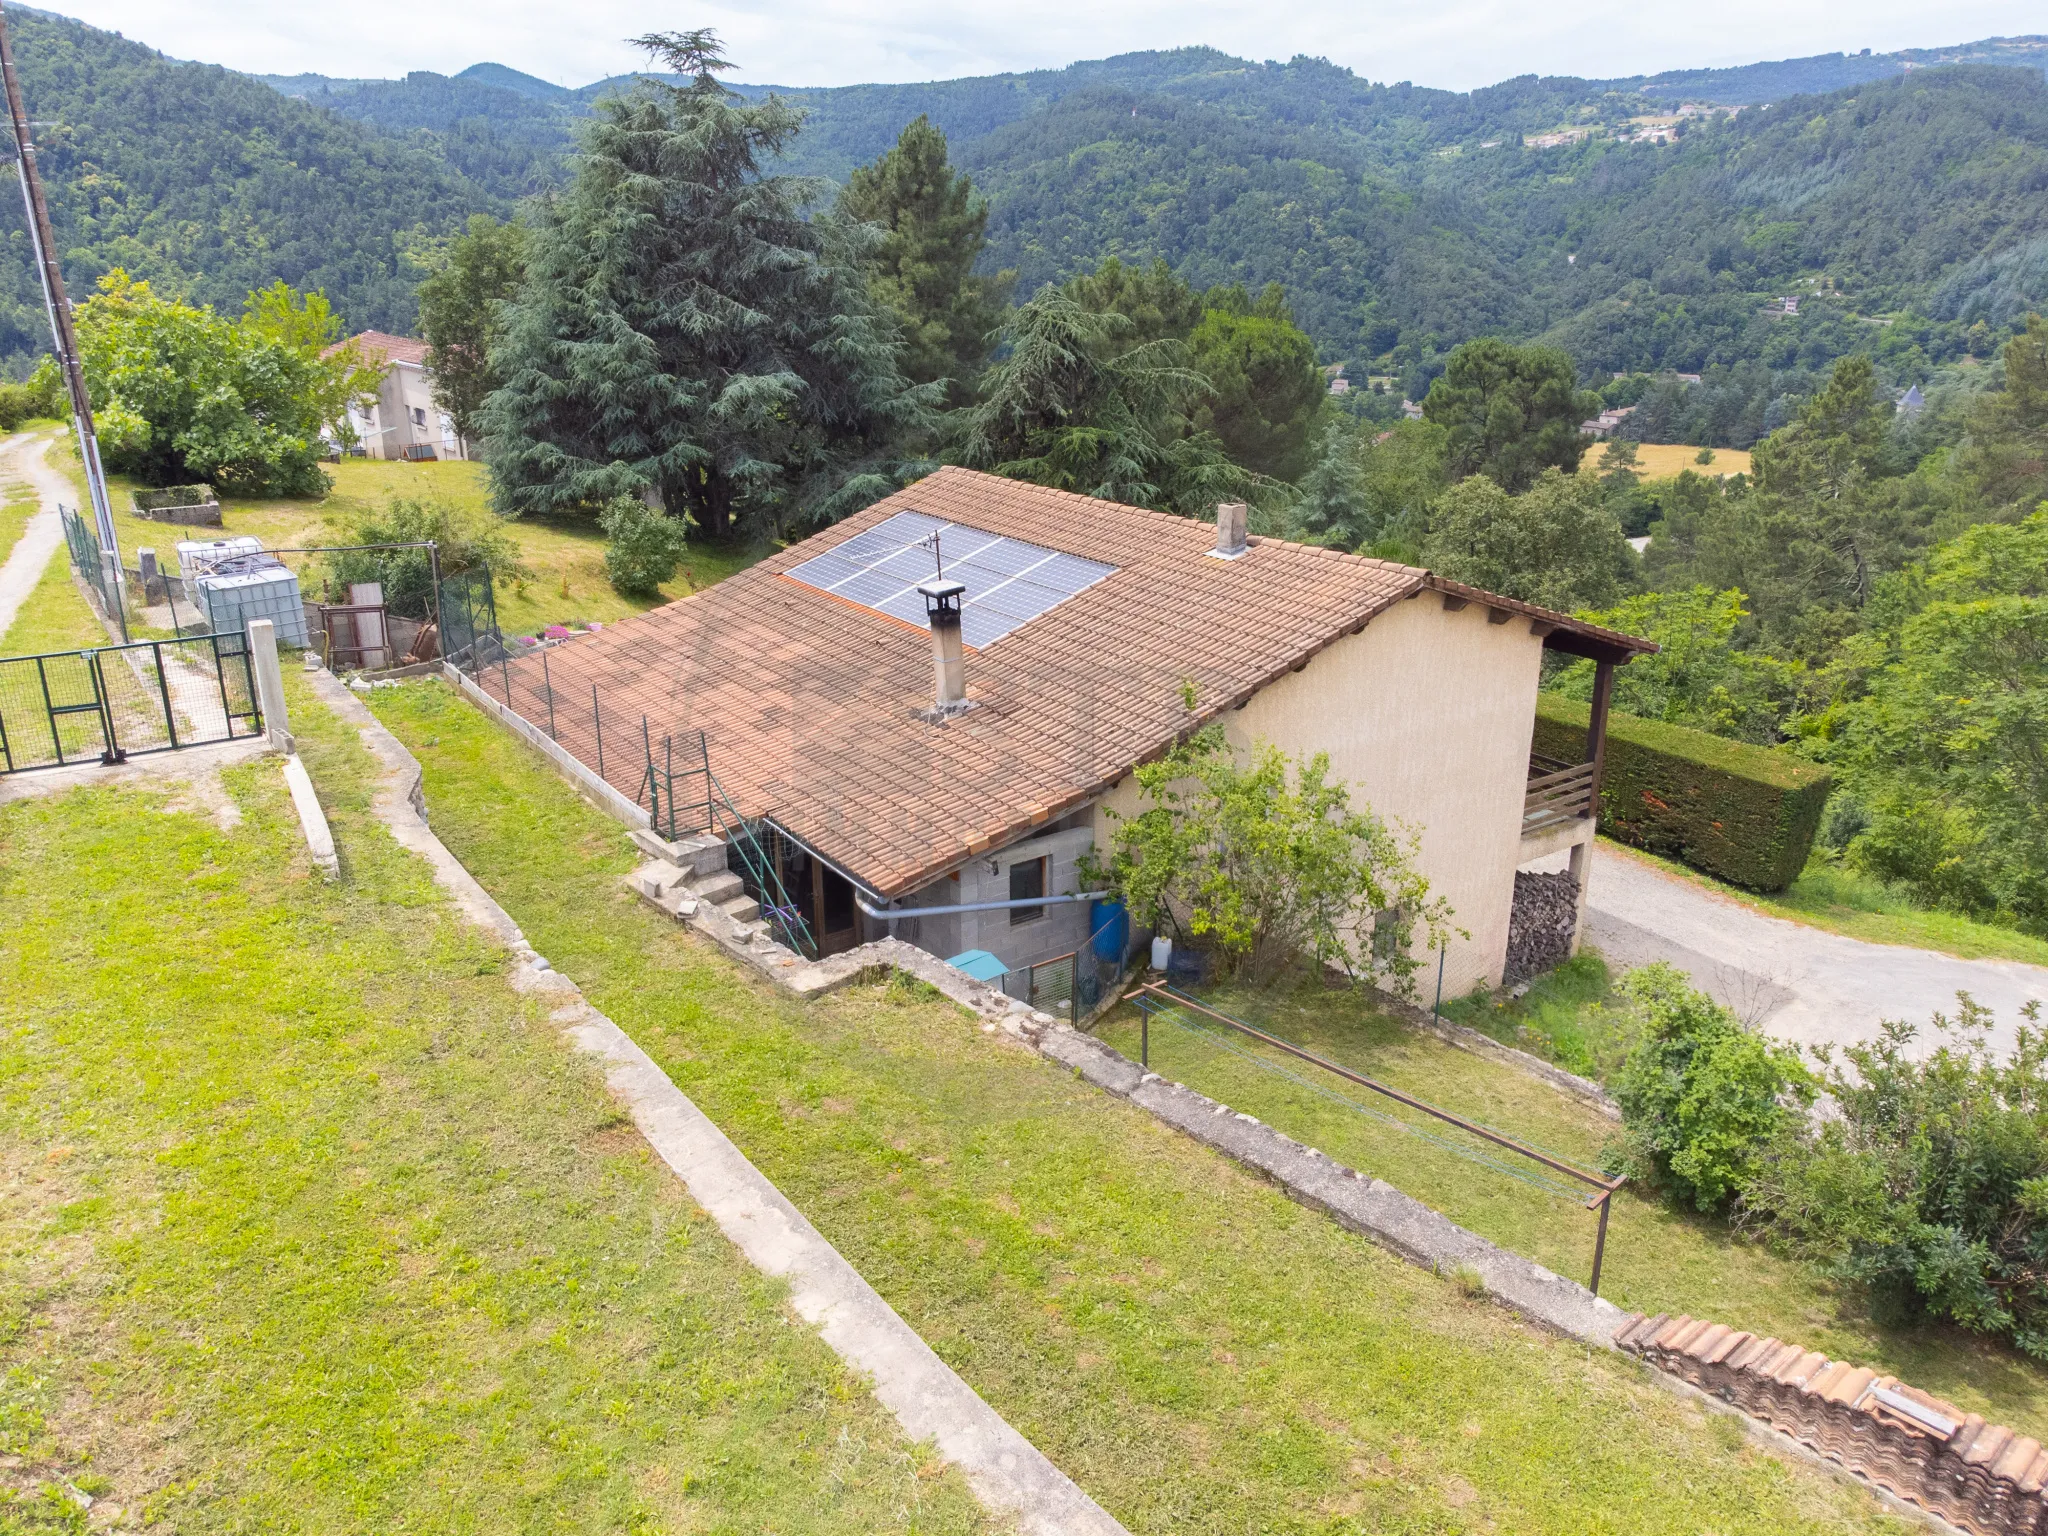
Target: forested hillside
[(1403, 220), (1750, 84), (1400, 220), (212, 185)]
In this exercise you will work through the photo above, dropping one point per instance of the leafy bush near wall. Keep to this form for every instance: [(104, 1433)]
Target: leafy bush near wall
[(1929, 1182), (1700, 1095), (1747, 814)]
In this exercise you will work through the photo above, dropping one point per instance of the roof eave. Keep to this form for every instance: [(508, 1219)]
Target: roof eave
[(1560, 631)]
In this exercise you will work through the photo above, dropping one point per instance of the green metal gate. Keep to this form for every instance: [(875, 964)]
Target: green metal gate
[(119, 701)]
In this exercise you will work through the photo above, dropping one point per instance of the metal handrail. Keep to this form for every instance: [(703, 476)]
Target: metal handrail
[(1165, 996), (782, 911)]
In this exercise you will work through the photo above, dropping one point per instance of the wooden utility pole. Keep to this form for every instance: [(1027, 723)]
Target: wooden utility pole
[(55, 299)]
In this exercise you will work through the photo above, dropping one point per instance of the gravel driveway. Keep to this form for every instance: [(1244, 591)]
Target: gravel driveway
[(1799, 983)]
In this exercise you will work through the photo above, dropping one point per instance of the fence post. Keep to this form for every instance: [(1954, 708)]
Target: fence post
[(262, 640), (597, 719), (547, 683)]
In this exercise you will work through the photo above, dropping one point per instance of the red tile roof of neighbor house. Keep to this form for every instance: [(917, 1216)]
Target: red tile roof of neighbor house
[(393, 349), (808, 702)]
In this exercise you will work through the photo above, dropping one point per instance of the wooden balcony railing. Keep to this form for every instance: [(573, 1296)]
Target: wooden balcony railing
[(1558, 793)]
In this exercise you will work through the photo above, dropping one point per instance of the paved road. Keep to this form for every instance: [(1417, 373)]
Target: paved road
[(43, 535), (1795, 982)]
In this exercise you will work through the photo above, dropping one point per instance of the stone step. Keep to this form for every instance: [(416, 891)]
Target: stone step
[(741, 909), (719, 888), (702, 853), (657, 879)]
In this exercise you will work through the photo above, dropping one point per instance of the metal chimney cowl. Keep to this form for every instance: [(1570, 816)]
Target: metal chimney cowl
[(942, 597), (1230, 530)]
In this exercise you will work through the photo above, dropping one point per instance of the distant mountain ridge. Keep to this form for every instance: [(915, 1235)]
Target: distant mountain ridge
[(1736, 85), (1897, 212), (1750, 84)]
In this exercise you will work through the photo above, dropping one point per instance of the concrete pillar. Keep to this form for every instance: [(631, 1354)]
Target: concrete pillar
[(1582, 871), (269, 684), (114, 587)]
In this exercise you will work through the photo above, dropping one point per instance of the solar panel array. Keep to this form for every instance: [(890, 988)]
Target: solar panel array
[(1008, 581)]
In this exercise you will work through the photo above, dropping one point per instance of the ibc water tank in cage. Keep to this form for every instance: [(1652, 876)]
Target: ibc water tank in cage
[(272, 593)]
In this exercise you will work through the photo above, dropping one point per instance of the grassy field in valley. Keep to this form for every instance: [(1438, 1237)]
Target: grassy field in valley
[(1839, 900), (315, 1226), (1666, 461), (1660, 1258), (1201, 1354)]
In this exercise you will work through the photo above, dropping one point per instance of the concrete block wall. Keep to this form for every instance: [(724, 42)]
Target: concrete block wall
[(1981, 1477), (986, 877)]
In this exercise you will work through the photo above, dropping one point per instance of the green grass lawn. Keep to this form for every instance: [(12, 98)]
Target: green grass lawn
[(55, 617), (1841, 901), (313, 1225), (566, 557), (1197, 1351), (1660, 1258)]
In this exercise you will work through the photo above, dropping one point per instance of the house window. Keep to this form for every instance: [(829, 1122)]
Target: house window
[(419, 416), (1027, 879)]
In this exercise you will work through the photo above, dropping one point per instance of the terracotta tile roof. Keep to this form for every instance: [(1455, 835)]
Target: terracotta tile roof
[(394, 349), (808, 702)]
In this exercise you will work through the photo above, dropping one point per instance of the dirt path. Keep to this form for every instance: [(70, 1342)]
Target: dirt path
[(44, 535), (1801, 984)]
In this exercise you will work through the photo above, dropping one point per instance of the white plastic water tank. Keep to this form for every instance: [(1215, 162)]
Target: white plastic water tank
[(272, 593), (198, 556)]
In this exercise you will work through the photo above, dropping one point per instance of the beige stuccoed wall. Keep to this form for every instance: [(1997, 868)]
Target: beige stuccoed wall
[(1427, 715)]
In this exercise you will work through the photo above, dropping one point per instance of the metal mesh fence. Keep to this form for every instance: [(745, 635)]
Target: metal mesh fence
[(469, 621), (87, 559)]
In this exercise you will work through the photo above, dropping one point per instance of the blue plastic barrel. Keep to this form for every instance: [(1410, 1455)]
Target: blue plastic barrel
[(1111, 925)]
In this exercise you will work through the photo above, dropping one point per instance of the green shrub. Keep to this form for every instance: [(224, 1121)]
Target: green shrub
[(43, 395), (1701, 1096), (1930, 1186), (1266, 861), (1747, 814), (643, 547), (464, 538)]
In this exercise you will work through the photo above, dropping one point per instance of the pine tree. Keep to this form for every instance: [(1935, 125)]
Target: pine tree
[(462, 316), (1074, 405), (1334, 508), (687, 335), (933, 231)]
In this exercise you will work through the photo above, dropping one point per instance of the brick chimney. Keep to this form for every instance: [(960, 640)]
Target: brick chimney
[(1230, 518)]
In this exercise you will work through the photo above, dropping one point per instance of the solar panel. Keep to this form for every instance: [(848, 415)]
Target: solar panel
[(1009, 581)]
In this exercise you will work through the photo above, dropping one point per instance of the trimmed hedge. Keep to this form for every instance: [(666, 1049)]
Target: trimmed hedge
[(1747, 814)]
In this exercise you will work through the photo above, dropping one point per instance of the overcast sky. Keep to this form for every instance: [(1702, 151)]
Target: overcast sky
[(1456, 44)]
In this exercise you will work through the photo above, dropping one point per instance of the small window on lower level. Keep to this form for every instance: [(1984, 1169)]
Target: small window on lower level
[(1027, 879)]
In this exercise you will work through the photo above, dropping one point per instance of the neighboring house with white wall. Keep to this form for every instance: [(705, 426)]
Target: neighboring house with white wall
[(403, 422), (1083, 626)]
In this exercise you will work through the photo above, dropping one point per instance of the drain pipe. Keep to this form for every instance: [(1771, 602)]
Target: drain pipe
[(890, 915)]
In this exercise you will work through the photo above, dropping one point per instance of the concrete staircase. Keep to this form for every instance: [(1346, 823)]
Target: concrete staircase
[(688, 872)]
